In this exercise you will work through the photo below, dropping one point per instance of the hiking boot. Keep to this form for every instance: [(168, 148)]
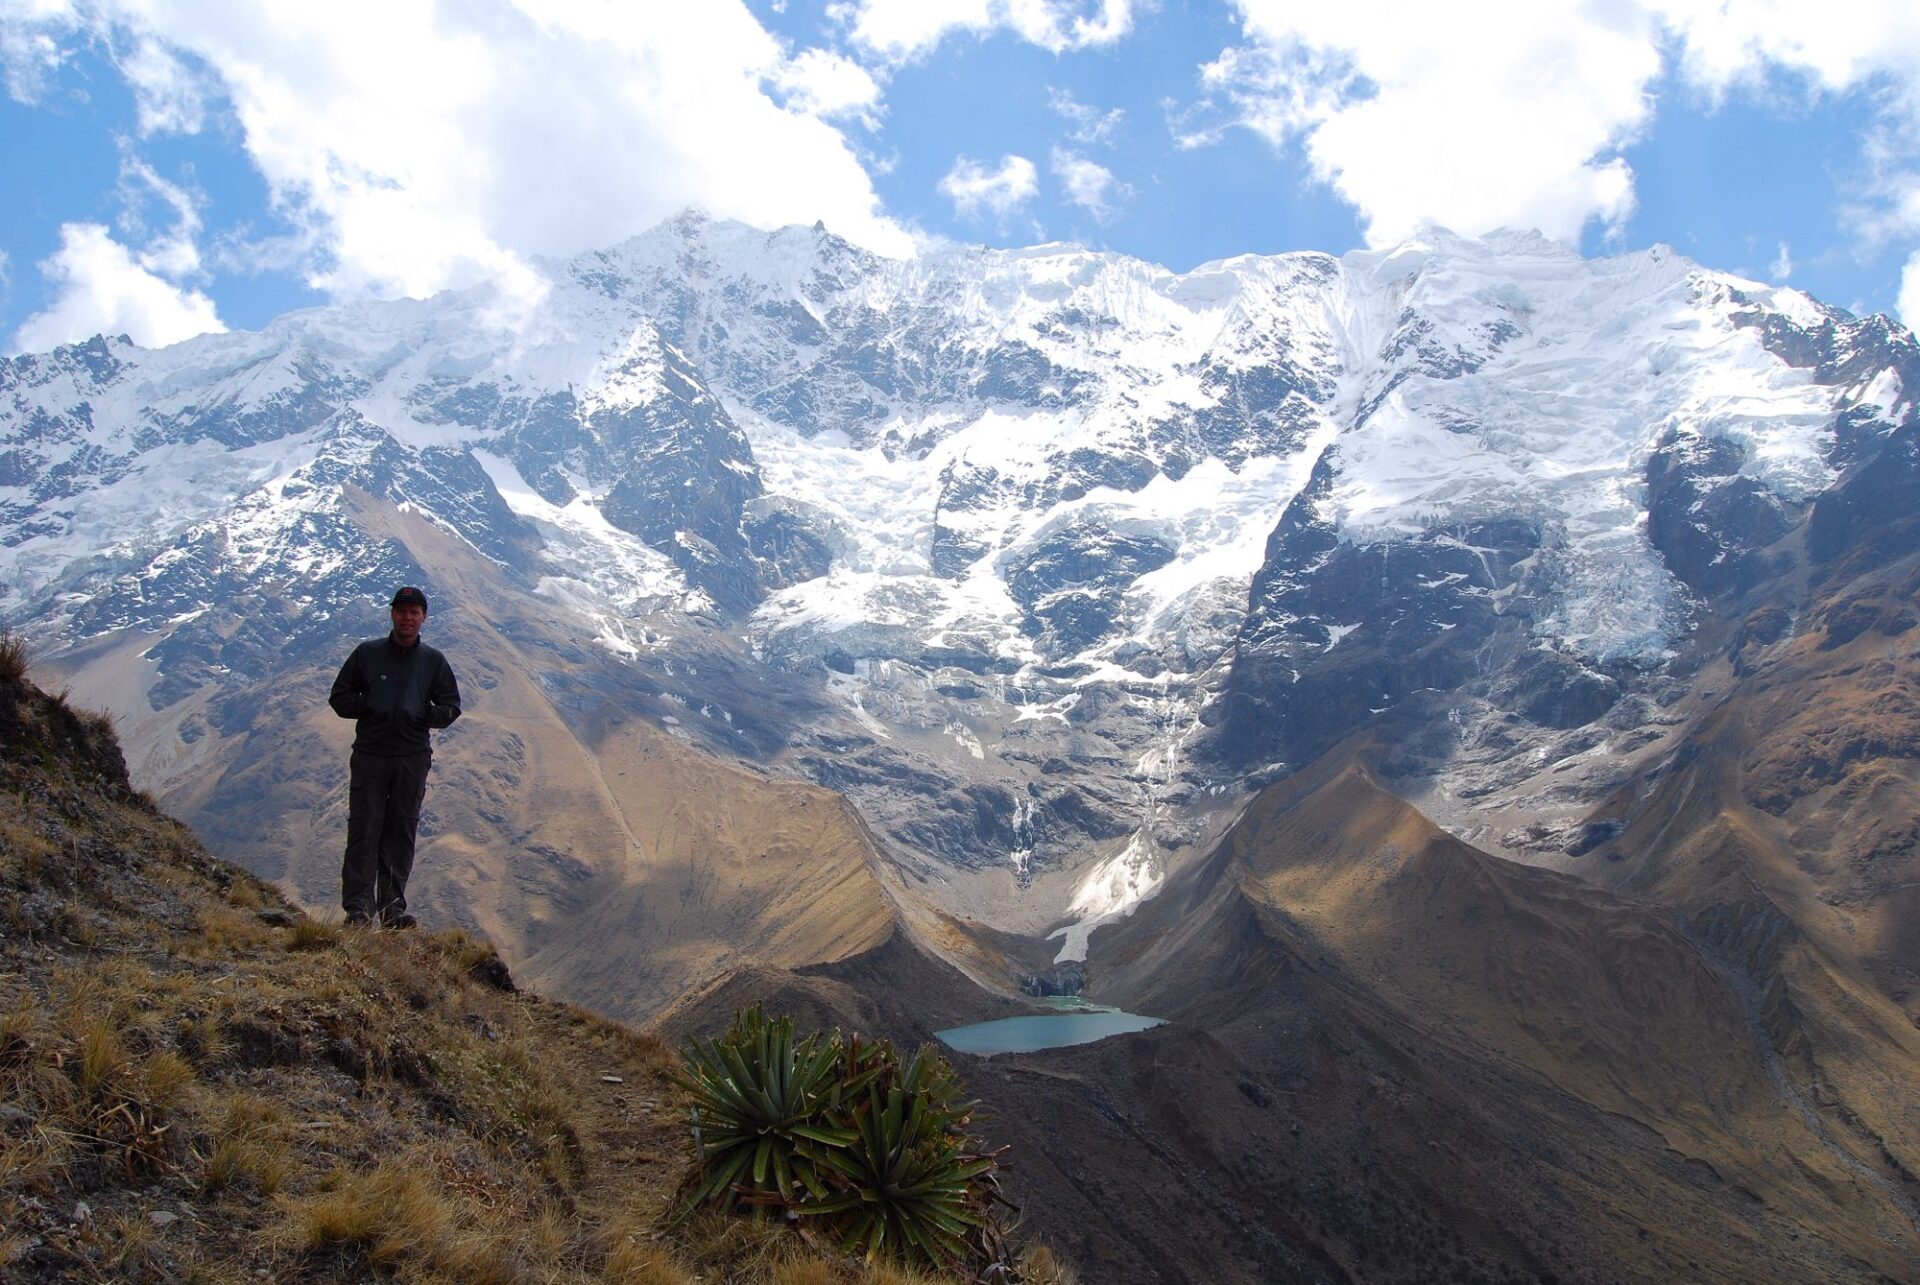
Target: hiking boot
[(401, 922), (356, 919)]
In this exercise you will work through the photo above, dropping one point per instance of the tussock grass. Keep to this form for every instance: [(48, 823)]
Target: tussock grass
[(459, 948), (309, 933), (225, 931), (25, 844), (253, 1143), (98, 722), (245, 894), (1041, 1266), (203, 1039), (388, 1214), (402, 1218), (94, 1102), (635, 1262), (887, 1274), (13, 657), (391, 1213), (127, 1246), (767, 1252)]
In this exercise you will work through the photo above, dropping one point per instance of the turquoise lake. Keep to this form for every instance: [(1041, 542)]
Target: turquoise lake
[(1043, 1031)]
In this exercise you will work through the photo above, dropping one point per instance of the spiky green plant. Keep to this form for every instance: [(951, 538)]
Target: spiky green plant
[(910, 1183), (837, 1133), (758, 1094)]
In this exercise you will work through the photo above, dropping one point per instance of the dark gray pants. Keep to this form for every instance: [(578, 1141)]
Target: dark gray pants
[(383, 814)]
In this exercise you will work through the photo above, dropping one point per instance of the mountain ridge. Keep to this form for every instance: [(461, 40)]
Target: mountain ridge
[(1026, 501)]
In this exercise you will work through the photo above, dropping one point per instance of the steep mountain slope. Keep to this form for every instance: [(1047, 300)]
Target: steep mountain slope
[(198, 1082), (1427, 1011)]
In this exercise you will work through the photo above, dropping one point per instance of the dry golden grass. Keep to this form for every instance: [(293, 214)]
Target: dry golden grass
[(309, 933), (810, 1272), (169, 1077), (253, 1143), (23, 841), (1041, 1267), (635, 1262), (245, 894), (225, 931), (126, 1247), (392, 1213), (92, 1101), (886, 1274), (768, 1252)]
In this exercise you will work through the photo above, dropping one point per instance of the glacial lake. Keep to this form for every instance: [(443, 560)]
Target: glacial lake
[(1043, 1031)]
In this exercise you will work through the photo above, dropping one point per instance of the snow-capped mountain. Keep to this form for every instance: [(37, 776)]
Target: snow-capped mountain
[(1041, 556)]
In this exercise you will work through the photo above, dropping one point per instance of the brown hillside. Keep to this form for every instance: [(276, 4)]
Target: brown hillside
[(203, 1084), (1782, 835), (1338, 941), (198, 1083)]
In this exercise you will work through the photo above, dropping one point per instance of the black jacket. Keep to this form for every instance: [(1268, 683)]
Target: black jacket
[(397, 693)]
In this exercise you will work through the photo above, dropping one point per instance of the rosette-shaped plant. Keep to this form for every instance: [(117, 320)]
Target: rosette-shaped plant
[(911, 1182), (758, 1096), (838, 1135)]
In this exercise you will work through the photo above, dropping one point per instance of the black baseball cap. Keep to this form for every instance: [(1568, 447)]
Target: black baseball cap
[(408, 596)]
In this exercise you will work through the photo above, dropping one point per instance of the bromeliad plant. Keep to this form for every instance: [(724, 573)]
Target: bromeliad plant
[(758, 1097), (910, 1183), (838, 1135)]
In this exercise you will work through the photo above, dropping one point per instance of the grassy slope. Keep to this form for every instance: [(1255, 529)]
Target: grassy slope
[(201, 1083)]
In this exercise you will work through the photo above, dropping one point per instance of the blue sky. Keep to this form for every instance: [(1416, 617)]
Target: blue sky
[(176, 166)]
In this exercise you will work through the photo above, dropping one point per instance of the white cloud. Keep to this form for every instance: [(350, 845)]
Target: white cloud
[(29, 51), (1782, 266), (827, 84), (1412, 114), (1840, 47), (104, 290), (1516, 111), (1837, 45), (417, 146), (169, 96), (1089, 185), (1909, 304), (1063, 24), (901, 30), (973, 187), (1090, 124), (172, 249)]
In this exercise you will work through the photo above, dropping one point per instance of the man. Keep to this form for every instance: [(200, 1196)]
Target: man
[(396, 688)]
